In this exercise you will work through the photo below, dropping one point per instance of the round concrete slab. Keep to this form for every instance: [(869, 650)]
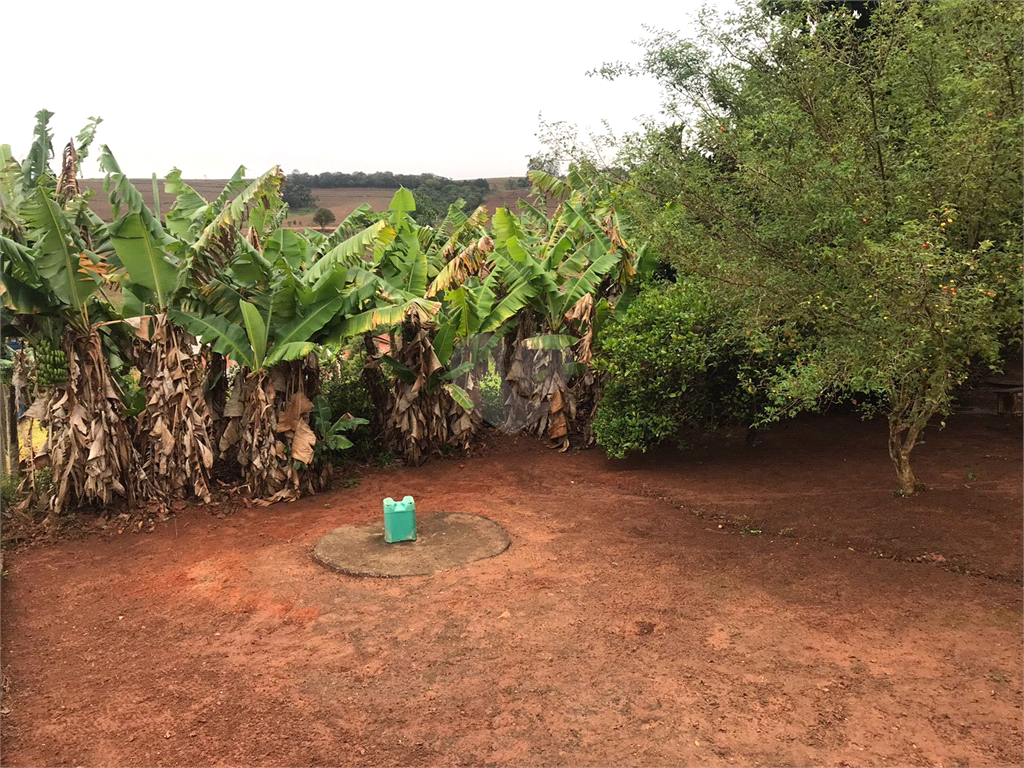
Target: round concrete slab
[(444, 540)]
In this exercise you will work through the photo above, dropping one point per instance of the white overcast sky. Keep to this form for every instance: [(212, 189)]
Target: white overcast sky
[(453, 88)]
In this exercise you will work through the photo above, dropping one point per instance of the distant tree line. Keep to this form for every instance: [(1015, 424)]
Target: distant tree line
[(297, 195), (382, 179)]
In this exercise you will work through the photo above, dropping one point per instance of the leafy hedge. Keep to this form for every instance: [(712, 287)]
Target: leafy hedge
[(675, 360)]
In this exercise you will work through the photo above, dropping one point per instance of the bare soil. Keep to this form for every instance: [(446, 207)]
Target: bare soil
[(723, 605), (341, 202)]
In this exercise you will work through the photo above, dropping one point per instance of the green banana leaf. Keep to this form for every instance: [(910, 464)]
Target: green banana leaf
[(293, 350), (458, 370), (349, 252), (549, 341), (235, 186), (402, 371), (37, 161), (459, 395), (519, 295), (403, 201), (58, 247), (226, 337), (19, 277), (144, 260), (319, 315), (505, 226), (358, 220), (257, 330), (550, 185), (601, 265), (188, 209), (444, 342), (232, 214), (382, 317), (414, 281)]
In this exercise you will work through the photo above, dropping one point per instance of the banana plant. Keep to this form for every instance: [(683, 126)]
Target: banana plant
[(422, 409), (223, 270), (53, 281), (258, 425), (295, 298), (579, 267), (174, 430)]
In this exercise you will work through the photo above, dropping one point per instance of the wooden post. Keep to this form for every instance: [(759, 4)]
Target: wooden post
[(8, 431)]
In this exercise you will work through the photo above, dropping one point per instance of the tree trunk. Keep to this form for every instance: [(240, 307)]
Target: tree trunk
[(12, 410), (174, 430), (423, 418), (88, 447), (8, 431), (269, 423), (902, 439)]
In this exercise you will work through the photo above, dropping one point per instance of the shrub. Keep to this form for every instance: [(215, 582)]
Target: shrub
[(673, 361), (8, 490), (345, 393), (492, 407)]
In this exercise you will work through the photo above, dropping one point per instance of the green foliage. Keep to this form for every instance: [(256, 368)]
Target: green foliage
[(344, 392), (132, 394), (858, 184), (492, 407), (380, 180), (297, 195), (332, 429), (263, 296), (9, 490), (434, 196), (546, 162), (323, 216), (37, 162), (675, 359)]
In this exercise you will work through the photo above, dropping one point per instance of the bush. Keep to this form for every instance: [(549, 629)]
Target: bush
[(8, 490), (492, 408), (673, 361), (343, 388)]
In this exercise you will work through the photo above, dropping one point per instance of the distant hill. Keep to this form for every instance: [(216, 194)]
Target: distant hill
[(341, 201)]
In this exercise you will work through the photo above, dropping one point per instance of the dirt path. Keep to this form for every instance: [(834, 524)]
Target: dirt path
[(623, 626)]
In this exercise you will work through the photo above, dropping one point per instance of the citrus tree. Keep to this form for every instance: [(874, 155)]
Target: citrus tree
[(852, 188)]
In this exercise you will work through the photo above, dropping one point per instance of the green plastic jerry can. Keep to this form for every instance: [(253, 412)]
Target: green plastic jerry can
[(399, 520)]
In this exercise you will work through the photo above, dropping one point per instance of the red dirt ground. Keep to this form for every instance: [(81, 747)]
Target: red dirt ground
[(725, 605)]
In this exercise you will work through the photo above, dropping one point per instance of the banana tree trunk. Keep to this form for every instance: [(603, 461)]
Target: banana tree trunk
[(540, 401), (174, 428), (269, 430), (585, 389), (423, 417), (377, 387), (8, 429), (89, 446)]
